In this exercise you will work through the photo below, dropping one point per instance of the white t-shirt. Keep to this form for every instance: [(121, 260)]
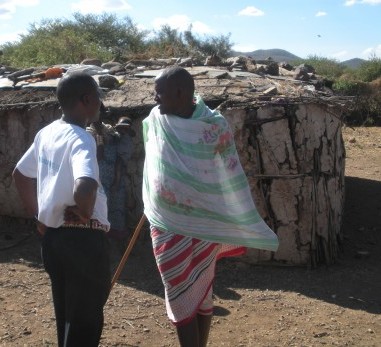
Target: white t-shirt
[(61, 153)]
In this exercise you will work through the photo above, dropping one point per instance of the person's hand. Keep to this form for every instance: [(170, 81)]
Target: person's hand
[(72, 215)]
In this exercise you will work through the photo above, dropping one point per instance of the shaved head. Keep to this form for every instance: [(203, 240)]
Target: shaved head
[(72, 87), (80, 98), (178, 77)]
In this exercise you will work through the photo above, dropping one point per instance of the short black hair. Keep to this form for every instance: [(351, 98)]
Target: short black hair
[(72, 87), (180, 76)]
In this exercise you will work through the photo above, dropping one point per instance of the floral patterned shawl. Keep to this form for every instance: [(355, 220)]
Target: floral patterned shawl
[(194, 184)]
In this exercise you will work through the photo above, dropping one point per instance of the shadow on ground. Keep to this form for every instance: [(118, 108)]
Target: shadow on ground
[(353, 282)]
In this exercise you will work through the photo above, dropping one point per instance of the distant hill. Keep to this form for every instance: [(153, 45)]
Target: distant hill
[(278, 55), (353, 63)]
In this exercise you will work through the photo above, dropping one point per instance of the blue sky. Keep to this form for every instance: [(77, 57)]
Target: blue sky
[(339, 29)]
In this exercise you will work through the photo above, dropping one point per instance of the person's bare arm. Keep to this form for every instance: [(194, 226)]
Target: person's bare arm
[(85, 193), (26, 187)]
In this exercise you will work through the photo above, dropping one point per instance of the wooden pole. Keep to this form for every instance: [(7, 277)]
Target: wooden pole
[(128, 250)]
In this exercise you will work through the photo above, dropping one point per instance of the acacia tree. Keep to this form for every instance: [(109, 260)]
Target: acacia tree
[(171, 42), (220, 45), (167, 42), (119, 37), (52, 43), (70, 41)]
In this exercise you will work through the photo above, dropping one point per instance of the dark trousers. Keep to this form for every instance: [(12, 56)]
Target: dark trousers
[(77, 261)]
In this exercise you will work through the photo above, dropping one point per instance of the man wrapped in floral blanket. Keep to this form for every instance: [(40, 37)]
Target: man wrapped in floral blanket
[(197, 200)]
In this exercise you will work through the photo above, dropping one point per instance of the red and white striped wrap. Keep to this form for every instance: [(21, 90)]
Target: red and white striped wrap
[(187, 269)]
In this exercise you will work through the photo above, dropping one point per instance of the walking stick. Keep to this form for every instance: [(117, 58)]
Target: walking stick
[(128, 250)]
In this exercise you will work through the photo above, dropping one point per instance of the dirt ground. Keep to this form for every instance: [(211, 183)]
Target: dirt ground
[(255, 305)]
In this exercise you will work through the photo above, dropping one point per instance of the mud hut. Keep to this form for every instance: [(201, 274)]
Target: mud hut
[(288, 136)]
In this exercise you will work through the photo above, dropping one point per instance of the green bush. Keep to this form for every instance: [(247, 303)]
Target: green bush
[(62, 47), (366, 109), (328, 68), (369, 70), (343, 87), (104, 37), (346, 84)]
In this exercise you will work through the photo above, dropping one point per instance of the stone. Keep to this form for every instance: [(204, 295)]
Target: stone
[(110, 64), (272, 69), (250, 65), (285, 65), (117, 69), (130, 66), (301, 74), (271, 91), (91, 61), (260, 70), (108, 81), (188, 62), (233, 61), (213, 60), (306, 67), (13, 76)]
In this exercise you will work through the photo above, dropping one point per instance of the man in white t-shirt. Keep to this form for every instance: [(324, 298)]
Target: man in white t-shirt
[(70, 207)]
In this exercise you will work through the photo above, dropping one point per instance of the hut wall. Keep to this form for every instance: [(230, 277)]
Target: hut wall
[(18, 126), (294, 159), (293, 156)]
